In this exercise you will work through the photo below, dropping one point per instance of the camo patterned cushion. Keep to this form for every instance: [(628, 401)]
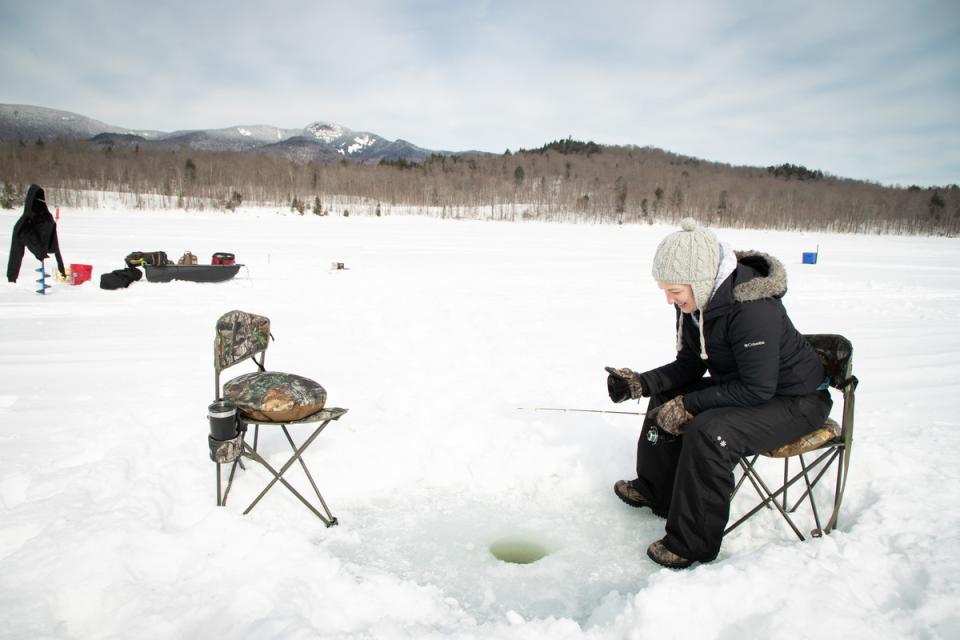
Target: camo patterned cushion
[(813, 440), (272, 396)]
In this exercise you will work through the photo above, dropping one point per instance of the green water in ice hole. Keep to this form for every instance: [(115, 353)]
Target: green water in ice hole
[(517, 551)]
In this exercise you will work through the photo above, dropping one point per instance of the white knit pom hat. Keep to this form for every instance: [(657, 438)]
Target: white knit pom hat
[(689, 256)]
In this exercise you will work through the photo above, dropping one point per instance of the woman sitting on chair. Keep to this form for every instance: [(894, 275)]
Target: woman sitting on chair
[(766, 388)]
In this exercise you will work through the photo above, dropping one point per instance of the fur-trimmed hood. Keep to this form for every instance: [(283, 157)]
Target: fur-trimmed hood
[(770, 281), (756, 276)]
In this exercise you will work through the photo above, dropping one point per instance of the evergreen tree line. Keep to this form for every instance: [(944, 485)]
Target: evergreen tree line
[(566, 180)]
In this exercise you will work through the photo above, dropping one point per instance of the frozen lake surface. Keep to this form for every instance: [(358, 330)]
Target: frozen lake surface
[(433, 336)]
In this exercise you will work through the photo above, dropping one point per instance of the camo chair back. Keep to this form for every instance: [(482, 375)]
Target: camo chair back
[(240, 335)]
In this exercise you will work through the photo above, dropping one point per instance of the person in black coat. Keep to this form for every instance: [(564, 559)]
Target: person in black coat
[(766, 387), (36, 230)]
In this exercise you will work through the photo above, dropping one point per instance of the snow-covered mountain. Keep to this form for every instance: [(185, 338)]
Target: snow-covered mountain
[(328, 141), (28, 123), (322, 141)]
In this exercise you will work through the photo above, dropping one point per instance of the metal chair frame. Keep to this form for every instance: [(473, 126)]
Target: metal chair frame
[(833, 452), (323, 417)]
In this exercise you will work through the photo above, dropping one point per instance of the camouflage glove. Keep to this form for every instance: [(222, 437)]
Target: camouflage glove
[(672, 416), (623, 384)]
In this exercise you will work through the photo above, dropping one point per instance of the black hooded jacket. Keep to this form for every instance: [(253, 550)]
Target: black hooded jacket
[(753, 350), (36, 230)]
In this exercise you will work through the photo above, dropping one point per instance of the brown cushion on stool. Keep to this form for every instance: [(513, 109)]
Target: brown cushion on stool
[(273, 396), (809, 442)]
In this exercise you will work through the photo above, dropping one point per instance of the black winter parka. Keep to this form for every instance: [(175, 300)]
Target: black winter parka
[(753, 350), (36, 230)]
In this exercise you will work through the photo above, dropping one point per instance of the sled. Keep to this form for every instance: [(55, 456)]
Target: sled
[(191, 272)]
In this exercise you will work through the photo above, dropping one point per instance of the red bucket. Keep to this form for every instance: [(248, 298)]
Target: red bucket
[(80, 273)]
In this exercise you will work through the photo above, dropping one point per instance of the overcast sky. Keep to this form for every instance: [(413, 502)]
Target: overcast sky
[(866, 89)]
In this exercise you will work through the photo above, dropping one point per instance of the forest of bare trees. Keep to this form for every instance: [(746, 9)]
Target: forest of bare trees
[(566, 181)]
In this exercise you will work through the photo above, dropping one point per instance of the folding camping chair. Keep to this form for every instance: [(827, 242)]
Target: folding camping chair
[(239, 336), (829, 445)]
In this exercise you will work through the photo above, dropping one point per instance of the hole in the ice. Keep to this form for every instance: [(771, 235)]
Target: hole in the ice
[(518, 550)]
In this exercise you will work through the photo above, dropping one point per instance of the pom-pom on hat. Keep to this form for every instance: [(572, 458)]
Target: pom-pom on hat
[(689, 256)]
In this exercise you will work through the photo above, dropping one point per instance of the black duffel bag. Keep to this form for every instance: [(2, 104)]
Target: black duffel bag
[(153, 258), (120, 279)]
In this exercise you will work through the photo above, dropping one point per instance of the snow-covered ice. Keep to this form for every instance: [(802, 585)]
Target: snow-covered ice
[(433, 336)]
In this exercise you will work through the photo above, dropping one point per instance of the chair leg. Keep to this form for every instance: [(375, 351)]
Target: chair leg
[(277, 476), (816, 533), (772, 499), (749, 467), (833, 453), (233, 470), (781, 509), (840, 487), (222, 495), (736, 489), (222, 501), (766, 497), (769, 498), (786, 476), (307, 473), (243, 436)]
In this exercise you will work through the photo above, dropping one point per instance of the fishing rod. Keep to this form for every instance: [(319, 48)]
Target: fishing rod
[(625, 413)]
